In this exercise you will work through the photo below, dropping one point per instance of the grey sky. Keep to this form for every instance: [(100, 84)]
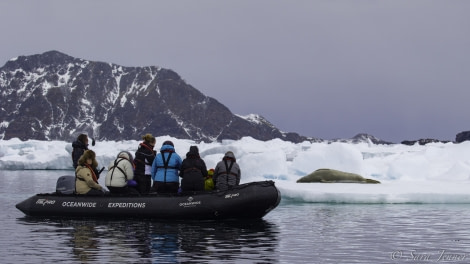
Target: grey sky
[(397, 69)]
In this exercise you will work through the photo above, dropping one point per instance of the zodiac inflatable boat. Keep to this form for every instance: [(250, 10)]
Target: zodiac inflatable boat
[(249, 200)]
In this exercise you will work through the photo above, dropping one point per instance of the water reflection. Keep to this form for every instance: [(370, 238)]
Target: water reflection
[(84, 242), (129, 240)]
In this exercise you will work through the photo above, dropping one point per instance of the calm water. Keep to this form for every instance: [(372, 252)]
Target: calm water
[(292, 233)]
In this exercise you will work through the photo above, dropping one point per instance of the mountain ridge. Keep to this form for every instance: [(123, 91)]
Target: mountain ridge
[(54, 96)]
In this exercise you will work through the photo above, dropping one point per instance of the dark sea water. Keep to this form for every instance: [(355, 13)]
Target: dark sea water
[(295, 232)]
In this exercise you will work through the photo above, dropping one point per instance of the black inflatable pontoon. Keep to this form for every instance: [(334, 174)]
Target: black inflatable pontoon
[(249, 200)]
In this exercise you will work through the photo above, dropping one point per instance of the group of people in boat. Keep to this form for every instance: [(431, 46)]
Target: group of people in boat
[(152, 171)]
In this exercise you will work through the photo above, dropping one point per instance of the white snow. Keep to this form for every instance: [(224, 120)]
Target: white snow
[(252, 118), (434, 173)]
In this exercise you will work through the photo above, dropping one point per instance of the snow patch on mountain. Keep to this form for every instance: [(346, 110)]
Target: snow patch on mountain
[(257, 119)]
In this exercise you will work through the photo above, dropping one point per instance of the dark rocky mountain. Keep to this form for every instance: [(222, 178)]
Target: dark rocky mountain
[(462, 136), (423, 141), (53, 96), (459, 138)]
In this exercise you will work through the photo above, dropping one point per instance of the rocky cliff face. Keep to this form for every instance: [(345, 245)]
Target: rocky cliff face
[(53, 96), (462, 136)]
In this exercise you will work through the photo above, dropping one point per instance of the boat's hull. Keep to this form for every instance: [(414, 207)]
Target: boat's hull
[(251, 200)]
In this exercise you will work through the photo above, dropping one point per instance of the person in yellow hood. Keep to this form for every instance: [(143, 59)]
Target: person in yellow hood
[(209, 182)]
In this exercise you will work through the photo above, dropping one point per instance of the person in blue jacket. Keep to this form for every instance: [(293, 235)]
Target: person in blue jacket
[(165, 169)]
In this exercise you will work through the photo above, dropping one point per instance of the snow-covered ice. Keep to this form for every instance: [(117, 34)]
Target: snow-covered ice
[(434, 173)]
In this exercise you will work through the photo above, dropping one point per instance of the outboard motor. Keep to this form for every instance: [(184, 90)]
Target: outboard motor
[(65, 185)]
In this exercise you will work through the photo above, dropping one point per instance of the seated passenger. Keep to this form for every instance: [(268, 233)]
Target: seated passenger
[(165, 169), (227, 172), (120, 176), (193, 171), (209, 182), (86, 181)]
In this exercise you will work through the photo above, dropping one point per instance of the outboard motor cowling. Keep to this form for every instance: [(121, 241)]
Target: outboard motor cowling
[(65, 185)]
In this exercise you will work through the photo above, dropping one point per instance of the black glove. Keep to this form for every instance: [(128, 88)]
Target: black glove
[(92, 141)]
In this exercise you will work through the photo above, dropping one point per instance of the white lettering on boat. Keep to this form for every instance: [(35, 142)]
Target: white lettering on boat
[(79, 204), (45, 201), (190, 202), (231, 195), (126, 205)]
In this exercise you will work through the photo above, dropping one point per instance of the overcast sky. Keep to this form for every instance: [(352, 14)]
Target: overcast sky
[(395, 69)]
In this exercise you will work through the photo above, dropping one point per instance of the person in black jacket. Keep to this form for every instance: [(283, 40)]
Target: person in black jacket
[(193, 171), (79, 147), (144, 157)]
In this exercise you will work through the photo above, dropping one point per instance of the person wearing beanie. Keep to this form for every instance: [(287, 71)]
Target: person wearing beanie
[(227, 172), (144, 157), (79, 147), (193, 171), (86, 181), (165, 168)]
